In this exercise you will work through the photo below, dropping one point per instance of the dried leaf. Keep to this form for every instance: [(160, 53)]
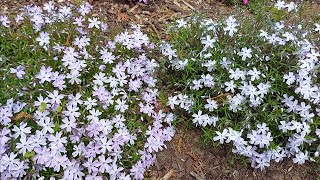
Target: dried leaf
[(161, 106), (221, 98), (67, 43), (122, 17), (168, 175), (22, 115)]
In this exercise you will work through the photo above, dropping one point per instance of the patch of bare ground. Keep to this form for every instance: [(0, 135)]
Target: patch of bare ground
[(186, 158), (154, 16)]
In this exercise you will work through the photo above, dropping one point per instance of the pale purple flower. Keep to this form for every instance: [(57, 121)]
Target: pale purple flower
[(5, 115), (5, 21), (94, 22), (19, 71), (43, 39), (21, 130)]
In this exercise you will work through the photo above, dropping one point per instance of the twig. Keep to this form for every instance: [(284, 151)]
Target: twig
[(191, 7), (154, 28), (176, 3), (196, 176), (134, 8), (168, 175)]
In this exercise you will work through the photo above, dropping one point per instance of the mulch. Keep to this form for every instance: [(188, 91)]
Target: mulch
[(152, 17)]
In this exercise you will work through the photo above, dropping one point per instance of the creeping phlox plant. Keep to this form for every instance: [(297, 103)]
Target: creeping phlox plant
[(77, 102), (251, 83)]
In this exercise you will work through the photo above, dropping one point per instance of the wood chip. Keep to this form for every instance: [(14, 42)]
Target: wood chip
[(216, 167), (134, 8), (254, 174), (168, 175), (153, 178), (137, 16), (146, 12), (174, 7), (195, 175), (154, 29), (187, 4)]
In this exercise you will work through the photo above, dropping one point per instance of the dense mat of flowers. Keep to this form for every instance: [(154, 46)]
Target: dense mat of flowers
[(84, 105), (255, 86)]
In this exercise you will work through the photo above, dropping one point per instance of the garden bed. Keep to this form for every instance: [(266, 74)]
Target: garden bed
[(186, 156)]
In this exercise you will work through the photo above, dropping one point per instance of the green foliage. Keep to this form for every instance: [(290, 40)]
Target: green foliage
[(272, 59)]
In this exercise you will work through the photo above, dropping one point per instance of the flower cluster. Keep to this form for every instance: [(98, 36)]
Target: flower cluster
[(88, 107), (255, 88), (183, 101), (290, 6)]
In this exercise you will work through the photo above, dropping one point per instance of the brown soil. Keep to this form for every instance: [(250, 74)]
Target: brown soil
[(152, 17), (185, 157), (188, 159)]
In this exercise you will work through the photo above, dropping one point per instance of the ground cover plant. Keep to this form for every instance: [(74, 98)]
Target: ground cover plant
[(77, 100), (251, 82), (81, 100)]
